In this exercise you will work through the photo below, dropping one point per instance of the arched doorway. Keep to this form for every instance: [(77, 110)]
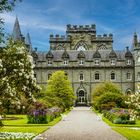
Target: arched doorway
[(81, 97)]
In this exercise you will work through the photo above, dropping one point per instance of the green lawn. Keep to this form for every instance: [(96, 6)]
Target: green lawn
[(21, 125), (128, 133), (125, 129)]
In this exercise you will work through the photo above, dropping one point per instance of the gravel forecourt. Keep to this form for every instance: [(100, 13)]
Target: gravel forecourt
[(80, 124)]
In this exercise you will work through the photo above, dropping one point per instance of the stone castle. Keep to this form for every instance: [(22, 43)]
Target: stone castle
[(87, 59)]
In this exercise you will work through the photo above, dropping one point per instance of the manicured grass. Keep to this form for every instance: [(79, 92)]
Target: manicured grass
[(128, 133), (125, 130), (20, 125)]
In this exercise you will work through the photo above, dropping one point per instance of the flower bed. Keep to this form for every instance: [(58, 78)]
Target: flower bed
[(119, 116), (16, 136)]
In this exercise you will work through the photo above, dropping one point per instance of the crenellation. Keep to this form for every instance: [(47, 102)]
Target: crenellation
[(59, 38), (81, 28)]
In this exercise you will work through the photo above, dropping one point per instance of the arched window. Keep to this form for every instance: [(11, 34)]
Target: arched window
[(49, 75), (112, 76), (97, 76), (81, 46), (81, 77), (128, 91)]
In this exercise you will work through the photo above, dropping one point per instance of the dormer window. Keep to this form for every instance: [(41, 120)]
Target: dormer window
[(65, 62), (81, 62), (113, 61), (97, 61), (128, 62), (49, 62)]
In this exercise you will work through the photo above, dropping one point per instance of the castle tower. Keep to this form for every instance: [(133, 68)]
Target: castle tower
[(28, 42), (136, 53), (16, 31), (135, 40)]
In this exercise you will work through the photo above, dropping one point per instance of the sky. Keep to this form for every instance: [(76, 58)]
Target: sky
[(44, 17)]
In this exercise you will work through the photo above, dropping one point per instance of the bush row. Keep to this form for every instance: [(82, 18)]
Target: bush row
[(118, 116)]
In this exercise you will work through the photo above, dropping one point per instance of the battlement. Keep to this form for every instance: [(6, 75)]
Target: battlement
[(104, 37), (59, 38), (80, 28)]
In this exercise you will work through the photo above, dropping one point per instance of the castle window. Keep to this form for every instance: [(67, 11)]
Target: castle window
[(97, 76), (96, 61), (49, 75), (65, 62), (128, 62), (49, 62), (128, 76), (81, 48), (112, 76), (81, 62), (139, 59), (113, 61), (81, 77), (35, 75), (138, 75)]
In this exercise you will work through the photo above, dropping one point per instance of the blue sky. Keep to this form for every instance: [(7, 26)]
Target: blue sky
[(44, 17)]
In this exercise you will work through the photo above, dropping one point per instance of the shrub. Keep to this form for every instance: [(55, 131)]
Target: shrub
[(37, 115), (118, 116)]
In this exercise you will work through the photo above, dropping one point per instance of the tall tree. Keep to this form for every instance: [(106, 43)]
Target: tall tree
[(59, 88), (17, 79)]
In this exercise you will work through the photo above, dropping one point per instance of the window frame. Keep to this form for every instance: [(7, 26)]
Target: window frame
[(81, 77), (114, 75), (97, 75)]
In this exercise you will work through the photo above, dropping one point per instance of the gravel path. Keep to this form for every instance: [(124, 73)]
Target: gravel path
[(81, 124)]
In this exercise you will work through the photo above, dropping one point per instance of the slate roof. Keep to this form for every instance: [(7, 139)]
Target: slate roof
[(57, 55)]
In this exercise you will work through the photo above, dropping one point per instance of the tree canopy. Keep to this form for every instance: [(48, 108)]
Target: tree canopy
[(59, 89), (17, 75)]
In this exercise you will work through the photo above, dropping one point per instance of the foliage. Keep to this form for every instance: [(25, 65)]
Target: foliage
[(59, 90), (37, 115), (119, 116), (134, 103), (16, 136), (106, 96), (5, 6), (17, 77)]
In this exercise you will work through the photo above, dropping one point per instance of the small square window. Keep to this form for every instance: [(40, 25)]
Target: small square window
[(65, 62), (96, 61)]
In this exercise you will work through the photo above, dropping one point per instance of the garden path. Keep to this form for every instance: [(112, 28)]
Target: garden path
[(81, 124)]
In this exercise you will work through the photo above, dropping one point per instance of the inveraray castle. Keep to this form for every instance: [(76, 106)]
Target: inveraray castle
[(87, 59)]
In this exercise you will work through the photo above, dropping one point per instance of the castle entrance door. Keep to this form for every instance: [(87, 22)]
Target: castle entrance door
[(81, 97)]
